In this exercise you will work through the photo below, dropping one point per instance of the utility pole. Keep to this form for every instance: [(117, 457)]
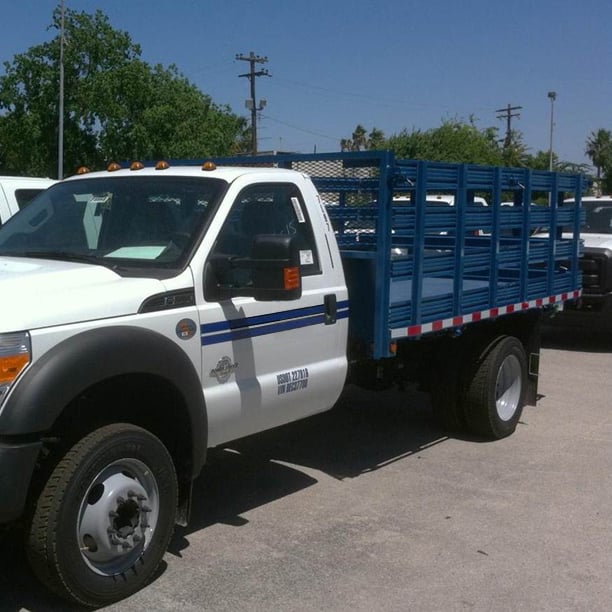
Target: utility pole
[(553, 96), (508, 114), (251, 104), (60, 126)]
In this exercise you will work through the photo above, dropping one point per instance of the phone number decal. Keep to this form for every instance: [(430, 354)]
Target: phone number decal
[(294, 380)]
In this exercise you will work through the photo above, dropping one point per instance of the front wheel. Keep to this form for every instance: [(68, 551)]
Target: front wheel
[(495, 394), (105, 516)]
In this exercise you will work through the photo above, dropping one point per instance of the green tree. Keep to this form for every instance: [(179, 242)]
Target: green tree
[(599, 149), (454, 141), (361, 140), (541, 161), (116, 105)]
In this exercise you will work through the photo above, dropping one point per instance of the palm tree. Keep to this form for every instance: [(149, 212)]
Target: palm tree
[(361, 140), (599, 149)]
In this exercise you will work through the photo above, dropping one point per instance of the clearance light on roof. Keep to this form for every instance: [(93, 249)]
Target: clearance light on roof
[(136, 165), (113, 167), (162, 165), (208, 166), (82, 170)]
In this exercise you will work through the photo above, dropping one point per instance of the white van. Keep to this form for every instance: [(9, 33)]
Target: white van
[(17, 191)]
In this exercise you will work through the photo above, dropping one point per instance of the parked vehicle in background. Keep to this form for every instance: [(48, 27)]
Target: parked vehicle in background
[(595, 305), (17, 191)]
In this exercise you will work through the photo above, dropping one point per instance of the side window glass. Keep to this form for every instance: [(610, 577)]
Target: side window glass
[(264, 209), (25, 196)]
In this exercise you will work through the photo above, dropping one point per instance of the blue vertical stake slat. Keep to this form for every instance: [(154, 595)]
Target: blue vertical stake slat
[(524, 296), (495, 238), (553, 201), (419, 242), (383, 259), (461, 209)]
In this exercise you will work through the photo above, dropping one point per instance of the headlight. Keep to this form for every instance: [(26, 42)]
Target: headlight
[(15, 355)]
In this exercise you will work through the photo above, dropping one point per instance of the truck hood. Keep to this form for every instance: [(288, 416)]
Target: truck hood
[(38, 293), (602, 241)]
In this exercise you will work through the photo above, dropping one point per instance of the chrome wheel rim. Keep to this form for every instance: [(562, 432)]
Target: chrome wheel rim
[(508, 388), (118, 516)]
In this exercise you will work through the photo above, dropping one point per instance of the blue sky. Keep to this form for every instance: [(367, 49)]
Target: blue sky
[(390, 64)]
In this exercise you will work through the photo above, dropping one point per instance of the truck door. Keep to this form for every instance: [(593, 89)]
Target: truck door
[(268, 363)]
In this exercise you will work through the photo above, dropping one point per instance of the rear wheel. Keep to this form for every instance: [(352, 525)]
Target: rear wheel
[(105, 516), (495, 394)]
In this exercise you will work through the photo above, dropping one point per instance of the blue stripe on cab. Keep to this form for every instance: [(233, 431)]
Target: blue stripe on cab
[(261, 325)]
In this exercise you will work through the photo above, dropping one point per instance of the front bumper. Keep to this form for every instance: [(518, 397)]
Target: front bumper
[(17, 461), (589, 311)]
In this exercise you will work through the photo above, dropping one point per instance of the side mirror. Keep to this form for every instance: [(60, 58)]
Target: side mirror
[(275, 261), (271, 273)]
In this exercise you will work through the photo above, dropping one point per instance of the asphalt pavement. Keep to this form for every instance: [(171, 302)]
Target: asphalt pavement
[(371, 507)]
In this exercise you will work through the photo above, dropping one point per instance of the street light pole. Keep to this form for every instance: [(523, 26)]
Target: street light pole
[(553, 96), (60, 127)]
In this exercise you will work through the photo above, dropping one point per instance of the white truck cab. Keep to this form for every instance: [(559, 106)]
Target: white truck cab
[(595, 306), (17, 191), (596, 230)]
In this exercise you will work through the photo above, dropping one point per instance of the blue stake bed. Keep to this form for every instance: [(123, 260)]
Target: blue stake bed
[(428, 246)]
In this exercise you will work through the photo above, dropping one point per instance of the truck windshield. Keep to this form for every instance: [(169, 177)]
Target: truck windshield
[(598, 219), (131, 224)]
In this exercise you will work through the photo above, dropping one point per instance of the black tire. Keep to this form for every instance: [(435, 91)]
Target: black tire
[(495, 393), (105, 516)]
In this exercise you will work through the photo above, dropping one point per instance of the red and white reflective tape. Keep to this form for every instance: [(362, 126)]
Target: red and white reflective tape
[(481, 315)]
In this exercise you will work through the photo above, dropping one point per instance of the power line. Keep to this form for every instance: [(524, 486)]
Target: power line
[(251, 104), (300, 129)]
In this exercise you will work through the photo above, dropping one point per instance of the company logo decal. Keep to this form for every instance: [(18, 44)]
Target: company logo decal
[(223, 370), (186, 329)]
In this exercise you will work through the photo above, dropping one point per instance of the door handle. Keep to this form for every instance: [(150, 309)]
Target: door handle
[(331, 308)]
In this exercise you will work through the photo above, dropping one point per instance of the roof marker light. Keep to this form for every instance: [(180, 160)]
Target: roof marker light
[(162, 165), (82, 170), (113, 167), (136, 165), (208, 166)]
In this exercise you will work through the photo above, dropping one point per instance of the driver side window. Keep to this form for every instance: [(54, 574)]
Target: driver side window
[(270, 209)]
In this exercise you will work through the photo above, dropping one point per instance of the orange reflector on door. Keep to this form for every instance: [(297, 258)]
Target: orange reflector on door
[(291, 278)]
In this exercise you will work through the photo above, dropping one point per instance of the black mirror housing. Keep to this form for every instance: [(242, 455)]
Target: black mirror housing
[(271, 273)]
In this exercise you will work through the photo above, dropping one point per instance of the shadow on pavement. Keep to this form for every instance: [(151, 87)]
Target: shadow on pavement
[(364, 432), (574, 338)]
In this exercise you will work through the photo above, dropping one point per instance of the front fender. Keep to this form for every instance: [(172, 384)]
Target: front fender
[(79, 362)]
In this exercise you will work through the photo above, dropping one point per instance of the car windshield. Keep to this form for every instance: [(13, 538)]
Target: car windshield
[(135, 225), (598, 219)]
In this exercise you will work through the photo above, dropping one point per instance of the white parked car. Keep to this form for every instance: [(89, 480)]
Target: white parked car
[(17, 191)]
